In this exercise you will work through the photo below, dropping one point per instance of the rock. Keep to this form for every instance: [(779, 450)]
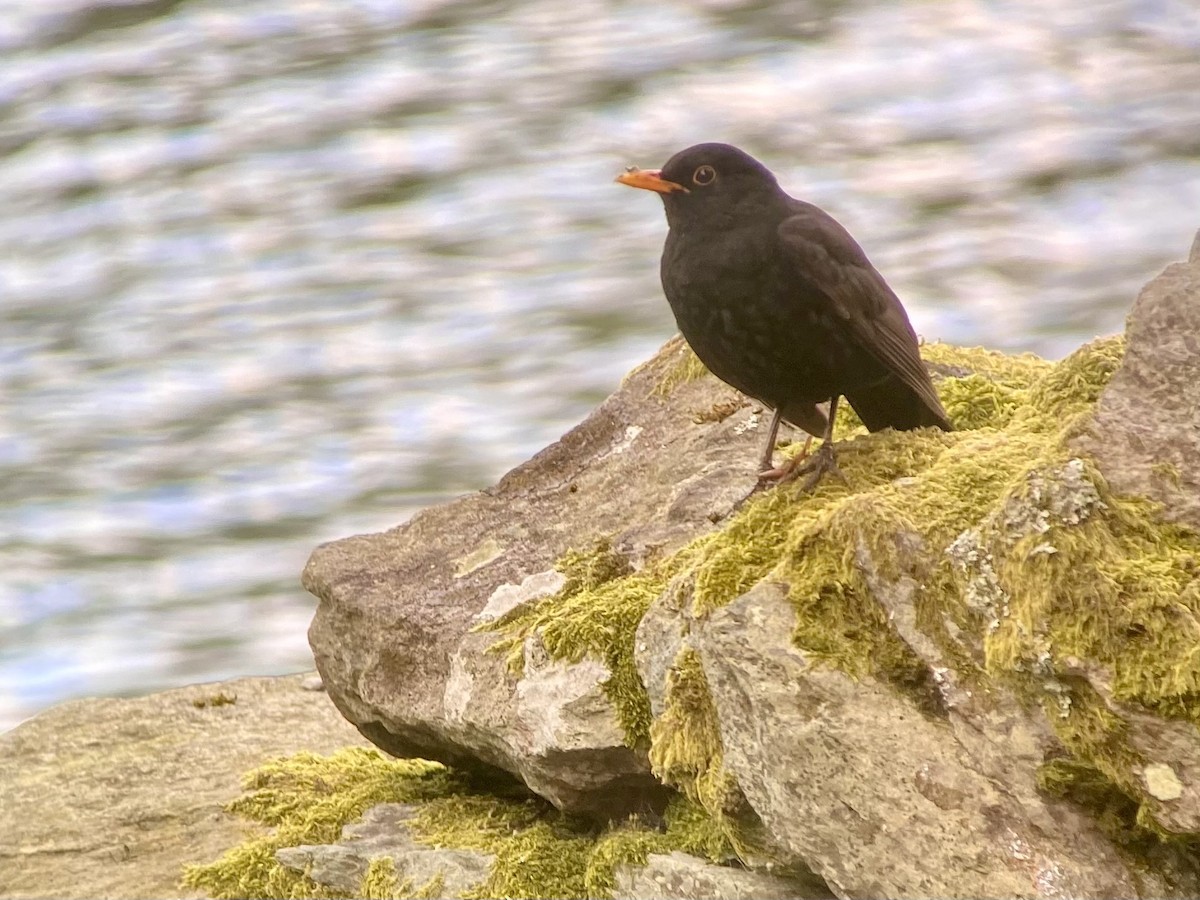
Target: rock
[(393, 637), (967, 669), (1146, 432), (1168, 765), (555, 709), (111, 797), (661, 635), (880, 800), (1145, 438), (382, 833), (667, 876)]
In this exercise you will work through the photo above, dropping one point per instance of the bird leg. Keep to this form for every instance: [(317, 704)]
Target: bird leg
[(768, 472), (824, 460), (768, 452)]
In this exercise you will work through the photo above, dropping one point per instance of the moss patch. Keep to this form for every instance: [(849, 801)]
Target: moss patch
[(307, 799), (382, 883), (221, 698), (686, 752)]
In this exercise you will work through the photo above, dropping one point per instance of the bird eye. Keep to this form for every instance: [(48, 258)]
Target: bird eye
[(705, 175)]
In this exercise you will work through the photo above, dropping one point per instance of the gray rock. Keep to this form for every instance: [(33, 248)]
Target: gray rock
[(1171, 748), (1145, 437), (668, 876), (111, 797), (1145, 434), (392, 634), (661, 634), (877, 798), (382, 832), (880, 793)]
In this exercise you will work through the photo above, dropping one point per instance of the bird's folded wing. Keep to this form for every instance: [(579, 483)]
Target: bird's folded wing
[(824, 254)]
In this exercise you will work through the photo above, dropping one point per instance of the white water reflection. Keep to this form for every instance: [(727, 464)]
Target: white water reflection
[(274, 273)]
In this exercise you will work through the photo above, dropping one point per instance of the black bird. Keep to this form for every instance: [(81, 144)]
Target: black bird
[(779, 301)]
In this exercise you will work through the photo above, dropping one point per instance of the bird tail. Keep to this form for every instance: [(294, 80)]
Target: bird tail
[(890, 403)]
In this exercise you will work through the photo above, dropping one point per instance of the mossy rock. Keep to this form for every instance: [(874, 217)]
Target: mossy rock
[(308, 799), (1091, 576), (1026, 569)]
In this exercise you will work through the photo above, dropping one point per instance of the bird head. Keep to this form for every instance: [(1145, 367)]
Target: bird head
[(707, 185)]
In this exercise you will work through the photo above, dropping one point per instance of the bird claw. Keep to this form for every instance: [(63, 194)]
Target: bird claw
[(818, 464), (769, 473)]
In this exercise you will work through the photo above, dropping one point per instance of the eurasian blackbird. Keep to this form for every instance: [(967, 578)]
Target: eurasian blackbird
[(779, 301)]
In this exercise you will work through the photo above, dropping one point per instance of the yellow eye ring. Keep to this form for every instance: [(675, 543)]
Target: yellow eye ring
[(705, 175)]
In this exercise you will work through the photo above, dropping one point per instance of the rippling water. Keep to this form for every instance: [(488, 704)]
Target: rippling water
[(276, 272)]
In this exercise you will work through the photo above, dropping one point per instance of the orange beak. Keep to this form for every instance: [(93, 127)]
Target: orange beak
[(650, 180)]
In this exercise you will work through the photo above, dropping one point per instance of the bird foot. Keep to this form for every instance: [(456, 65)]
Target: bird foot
[(824, 461), (769, 473)]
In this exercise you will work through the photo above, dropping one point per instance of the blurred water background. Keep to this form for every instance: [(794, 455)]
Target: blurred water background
[(279, 271)]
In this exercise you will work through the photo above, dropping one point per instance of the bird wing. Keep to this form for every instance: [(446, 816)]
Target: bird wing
[(823, 253)]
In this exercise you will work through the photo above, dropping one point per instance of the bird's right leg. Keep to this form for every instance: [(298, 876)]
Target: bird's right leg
[(824, 460), (768, 451)]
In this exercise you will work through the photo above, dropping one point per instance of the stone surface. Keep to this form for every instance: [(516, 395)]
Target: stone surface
[(667, 876), (879, 789), (392, 634), (382, 832), (1145, 437), (877, 798), (1171, 747), (661, 635), (111, 797), (1146, 432)]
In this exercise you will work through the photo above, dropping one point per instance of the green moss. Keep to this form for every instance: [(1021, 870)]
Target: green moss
[(632, 845), (688, 828), (977, 402), (306, 799), (686, 738), (538, 851), (718, 838), (686, 753), (477, 821), (949, 360), (1073, 386), (382, 883), (1133, 608), (540, 861), (1167, 472)]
